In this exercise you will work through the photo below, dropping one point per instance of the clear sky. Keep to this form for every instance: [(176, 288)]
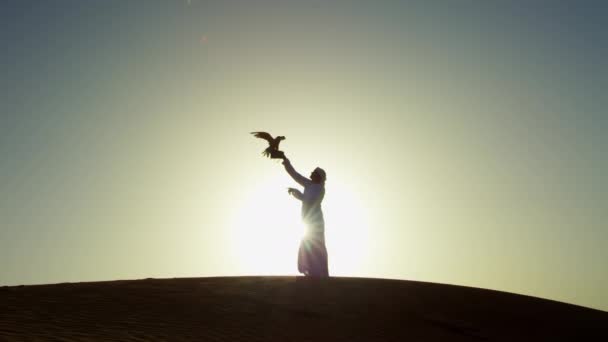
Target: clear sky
[(464, 141)]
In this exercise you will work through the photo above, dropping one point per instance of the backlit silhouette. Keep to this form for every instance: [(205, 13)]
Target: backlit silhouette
[(272, 151), (312, 255)]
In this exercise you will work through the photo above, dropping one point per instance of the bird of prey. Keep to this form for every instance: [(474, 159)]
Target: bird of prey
[(272, 151)]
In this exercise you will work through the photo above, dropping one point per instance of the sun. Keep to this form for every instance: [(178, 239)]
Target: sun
[(266, 228), (347, 230)]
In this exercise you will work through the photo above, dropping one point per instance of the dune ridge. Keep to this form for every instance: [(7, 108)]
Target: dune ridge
[(286, 309)]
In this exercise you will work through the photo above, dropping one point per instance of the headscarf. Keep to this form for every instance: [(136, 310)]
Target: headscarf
[(321, 173)]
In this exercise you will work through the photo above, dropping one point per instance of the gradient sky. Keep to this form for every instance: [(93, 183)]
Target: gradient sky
[(464, 141)]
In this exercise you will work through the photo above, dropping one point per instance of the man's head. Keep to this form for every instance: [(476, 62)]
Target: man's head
[(318, 175)]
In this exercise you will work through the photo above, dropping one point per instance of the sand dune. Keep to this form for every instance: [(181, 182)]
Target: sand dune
[(286, 309)]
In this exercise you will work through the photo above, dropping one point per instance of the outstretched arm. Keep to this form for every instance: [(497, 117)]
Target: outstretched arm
[(303, 181), (295, 193)]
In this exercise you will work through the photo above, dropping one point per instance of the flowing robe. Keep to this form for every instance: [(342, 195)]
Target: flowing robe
[(312, 254)]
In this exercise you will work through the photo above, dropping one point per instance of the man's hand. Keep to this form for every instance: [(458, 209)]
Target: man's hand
[(277, 154), (295, 193)]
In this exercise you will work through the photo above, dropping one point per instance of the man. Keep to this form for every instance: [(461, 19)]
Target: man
[(312, 255)]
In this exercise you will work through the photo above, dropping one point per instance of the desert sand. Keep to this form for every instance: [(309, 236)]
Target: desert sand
[(286, 309)]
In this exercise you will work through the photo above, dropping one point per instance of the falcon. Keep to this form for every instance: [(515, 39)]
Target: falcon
[(272, 151)]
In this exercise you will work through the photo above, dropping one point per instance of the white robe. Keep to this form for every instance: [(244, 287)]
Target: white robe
[(312, 214), (312, 254)]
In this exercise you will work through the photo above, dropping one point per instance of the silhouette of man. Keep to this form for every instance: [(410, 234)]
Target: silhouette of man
[(312, 255)]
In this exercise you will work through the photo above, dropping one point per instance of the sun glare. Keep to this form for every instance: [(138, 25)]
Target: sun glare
[(266, 230), (346, 230)]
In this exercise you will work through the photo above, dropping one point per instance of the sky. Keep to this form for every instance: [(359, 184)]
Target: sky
[(464, 141)]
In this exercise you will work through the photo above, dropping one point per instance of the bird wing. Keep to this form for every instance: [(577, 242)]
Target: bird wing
[(263, 135)]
